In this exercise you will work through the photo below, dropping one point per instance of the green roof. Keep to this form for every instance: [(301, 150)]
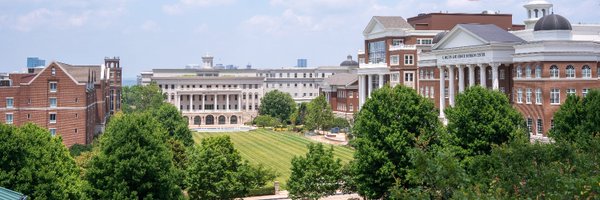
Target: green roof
[(7, 194)]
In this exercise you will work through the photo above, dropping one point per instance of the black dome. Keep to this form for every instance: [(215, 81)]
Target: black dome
[(438, 37), (349, 62), (552, 22)]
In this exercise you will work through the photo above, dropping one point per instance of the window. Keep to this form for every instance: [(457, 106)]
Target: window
[(53, 71), (528, 72), (571, 91), (9, 118), (529, 125), (538, 71), (538, 96), (422, 91), (395, 59), (52, 132), (377, 52), (28, 116), (408, 77), (427, 92), (421, 75), (52, 102), (519, 95), (9, 102), (528, 96), (519, 72), (351, 108), (446, 93), (586, 72), (570, 71), (424, 40), (431, 92), (53, 86), (52, 118), (554, 72), (397, 42), (408, 59), (555, 96), (501, 74), (395, 77), (584, 92), (540, 126)]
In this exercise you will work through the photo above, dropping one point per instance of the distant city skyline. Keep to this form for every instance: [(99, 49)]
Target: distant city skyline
[(266, 34)]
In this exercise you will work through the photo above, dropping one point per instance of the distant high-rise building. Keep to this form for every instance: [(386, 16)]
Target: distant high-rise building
[(302, 62), (33, 62)]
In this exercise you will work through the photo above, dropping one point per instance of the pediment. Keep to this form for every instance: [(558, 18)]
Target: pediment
[(459, 37), (373, 27)]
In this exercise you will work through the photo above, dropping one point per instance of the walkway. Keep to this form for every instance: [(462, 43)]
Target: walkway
[(284, 195)]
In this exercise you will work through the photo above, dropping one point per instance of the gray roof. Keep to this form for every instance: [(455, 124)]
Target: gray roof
[(82, 72), (393, 22), (10, 195), (341, 79), (491, 33), (552, 22)]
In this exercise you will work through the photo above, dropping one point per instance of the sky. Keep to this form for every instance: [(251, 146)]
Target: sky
[(171, 34)]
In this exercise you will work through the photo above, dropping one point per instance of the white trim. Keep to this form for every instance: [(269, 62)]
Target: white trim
[(61, 68)]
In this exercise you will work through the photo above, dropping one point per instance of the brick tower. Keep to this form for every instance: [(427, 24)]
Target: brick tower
[(114, 83)]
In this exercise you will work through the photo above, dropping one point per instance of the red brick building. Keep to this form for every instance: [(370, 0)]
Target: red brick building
[(72, 101), (341, 91)]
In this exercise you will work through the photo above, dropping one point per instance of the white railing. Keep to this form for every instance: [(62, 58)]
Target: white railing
[(373, 65), (402, 47)]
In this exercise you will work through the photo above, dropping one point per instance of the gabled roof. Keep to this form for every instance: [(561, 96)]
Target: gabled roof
[(477, 34), (387, 23), (82, 72), (491, 33), (343, 79)]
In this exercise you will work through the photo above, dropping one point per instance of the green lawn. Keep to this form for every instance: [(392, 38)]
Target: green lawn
[(273, 149)]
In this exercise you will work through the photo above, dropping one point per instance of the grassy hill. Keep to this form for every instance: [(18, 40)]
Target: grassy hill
[(274, 149)]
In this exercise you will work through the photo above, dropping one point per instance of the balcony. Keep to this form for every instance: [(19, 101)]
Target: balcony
[(373, 65), (403, 47)]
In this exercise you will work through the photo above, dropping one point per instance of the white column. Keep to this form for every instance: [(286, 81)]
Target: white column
[(239, 98), (191, 102), (461, 78), (442, 92), (471, 75), (227, 102), (482, 71), (495, 81), (369, 85), (253, 103), (380, 80), (202, 96), (247, 101), (177, 102), (215, 102), (361, 90), (451, 80)]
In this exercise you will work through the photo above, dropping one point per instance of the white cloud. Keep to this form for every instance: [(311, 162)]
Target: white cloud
[(180, 6), (150, 26)]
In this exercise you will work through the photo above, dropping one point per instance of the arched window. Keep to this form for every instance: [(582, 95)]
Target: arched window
[(233, 120), (421, 74), (528, 71), (529, 13), (586, 71), (543, 12), (222, 119), (519, 72), (554, 72), (210, 120), (538, 71), (536, 13), (570, 71), (197, 120)]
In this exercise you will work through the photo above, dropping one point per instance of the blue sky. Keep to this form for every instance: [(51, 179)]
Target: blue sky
[(171, 34)]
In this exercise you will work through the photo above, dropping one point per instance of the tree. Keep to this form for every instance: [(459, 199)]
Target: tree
[(277, 104), (216, 171), (319, 114), (174, 123), (386, 128), (34, 163), (266, 121), (578, 118), (482, 118), (339, 122), (142, 98), (134, 161), (300, 114), (316, 175)]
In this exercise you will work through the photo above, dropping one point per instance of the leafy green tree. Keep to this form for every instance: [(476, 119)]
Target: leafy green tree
[(339, 122), (216, 171), (277, 104), (134, 161), (142, 98), (319, 114), (578, 118), (36, 164), (385, 130), (266, 121), (316, 175), (174, 123), (482, 118), (300, 114)]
